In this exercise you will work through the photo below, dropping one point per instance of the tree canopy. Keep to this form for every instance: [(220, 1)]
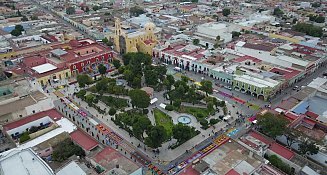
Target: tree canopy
[(308, 29), (272, 125), (136, 11), (83, 79), (206, 86), (308, 148), (156, 136), (278, 12), (18, 30), (196, 41), (182, 132), (139, 98), (226, 11), (102, 69), (70, 10)]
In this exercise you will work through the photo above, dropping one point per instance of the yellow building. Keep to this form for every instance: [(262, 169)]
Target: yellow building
[(142, 40), (49, 77)]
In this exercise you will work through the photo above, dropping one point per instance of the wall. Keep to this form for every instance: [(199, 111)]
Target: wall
[(43, 131), (40, 106), (78, 65), (59, 75), (23, 128), (296, 167)]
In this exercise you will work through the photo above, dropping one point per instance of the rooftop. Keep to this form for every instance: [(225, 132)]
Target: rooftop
[(83, 140), (24, 162), (52, 113), (71, 169), (260, 46), (43, 68), (262, 83)]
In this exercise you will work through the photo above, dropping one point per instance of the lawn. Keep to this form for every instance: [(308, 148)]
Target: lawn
[(196, 112), (164, 120)]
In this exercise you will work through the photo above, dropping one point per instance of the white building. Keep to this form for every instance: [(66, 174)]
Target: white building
[(213, 29), (23, 162)]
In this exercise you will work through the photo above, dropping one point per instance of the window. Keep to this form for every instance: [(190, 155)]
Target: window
[(88, 62), (82, 64), (74, 66), (97, 59)]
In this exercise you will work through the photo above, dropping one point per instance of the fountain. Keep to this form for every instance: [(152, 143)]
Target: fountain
[(184, 119)]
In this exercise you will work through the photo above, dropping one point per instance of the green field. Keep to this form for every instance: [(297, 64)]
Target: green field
[(164, 120), (195, 111)]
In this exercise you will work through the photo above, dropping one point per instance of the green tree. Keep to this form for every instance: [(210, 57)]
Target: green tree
[(308, 148), (34, 18), (177, 103), (136, 11), (272, 125), (24, 18), (278, 12), (185, 78), (70, 11), (89, 99), (96, 8), (136, 82), (206, 86), (156, 136), (182, 133), (320, 19), (308, 29), (112, 111), (83, 79), (292, 135), (102, 85), (105, 40), (16, 32), (196, 41), (116, 63), (316, 4), (235, 34), (226, 11), (102, 69), (139, 98)]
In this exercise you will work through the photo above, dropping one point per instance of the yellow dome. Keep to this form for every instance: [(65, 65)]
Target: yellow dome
[(149, 26), (134, 49)]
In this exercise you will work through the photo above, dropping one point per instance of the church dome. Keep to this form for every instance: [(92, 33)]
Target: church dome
[(134, 49), (149, 26)]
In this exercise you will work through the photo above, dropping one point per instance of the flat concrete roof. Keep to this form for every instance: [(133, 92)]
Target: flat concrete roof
[(71, 168), (23, 162), (44, 68)]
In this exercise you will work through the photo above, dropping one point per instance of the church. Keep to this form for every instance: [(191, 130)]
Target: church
[(134, 40)]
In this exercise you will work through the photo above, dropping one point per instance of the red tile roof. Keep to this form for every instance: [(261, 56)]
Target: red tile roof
[(189, 171), (282, 151), (52, 113), (246, 57), (83, 140), (260, 137), (147, 42), (309, 121), (287, 73), (291, 116), (312, 114), (232, 172), (261, 46)]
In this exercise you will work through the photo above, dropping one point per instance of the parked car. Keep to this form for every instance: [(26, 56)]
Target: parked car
[(295, 88)]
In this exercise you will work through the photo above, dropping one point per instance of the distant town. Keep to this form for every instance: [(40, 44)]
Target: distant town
[(153, 87)]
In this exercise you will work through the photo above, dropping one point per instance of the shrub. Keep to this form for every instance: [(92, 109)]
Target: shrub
[(169, 108), (24, 137), (33, 129), (112, 111), (145, 111), (277, 162), (213, 121), (200, 115), (177, 103), (204, 123), (81, 94), (66, 149)]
